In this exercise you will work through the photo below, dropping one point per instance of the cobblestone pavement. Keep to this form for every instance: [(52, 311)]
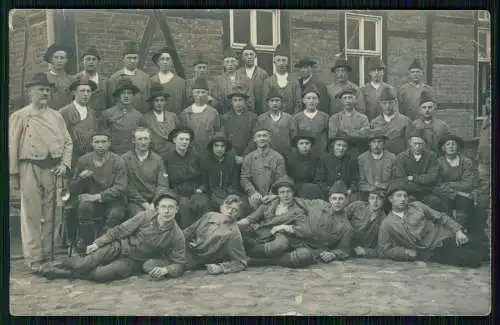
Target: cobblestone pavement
[(356, 287)]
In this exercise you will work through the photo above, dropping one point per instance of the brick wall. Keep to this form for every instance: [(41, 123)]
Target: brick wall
[(36, 48), (400, 54), (406, 20), (461, 121), (453, 40)]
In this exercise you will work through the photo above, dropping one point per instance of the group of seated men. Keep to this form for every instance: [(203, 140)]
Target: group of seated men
[(291, 189)]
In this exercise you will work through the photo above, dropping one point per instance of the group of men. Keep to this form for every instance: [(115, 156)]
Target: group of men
[(165, 174)]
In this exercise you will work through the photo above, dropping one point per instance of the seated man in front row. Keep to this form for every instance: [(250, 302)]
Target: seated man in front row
[(215, 240), (146, 172), (415, 231), (150, 242), (98, 189)]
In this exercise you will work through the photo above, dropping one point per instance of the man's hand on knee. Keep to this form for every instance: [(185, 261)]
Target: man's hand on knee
[(158, 272)]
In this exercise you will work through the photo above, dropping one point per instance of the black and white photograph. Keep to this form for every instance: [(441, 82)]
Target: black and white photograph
[(249, 162)]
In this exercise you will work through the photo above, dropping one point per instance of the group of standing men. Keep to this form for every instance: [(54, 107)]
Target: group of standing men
[(148, 159)]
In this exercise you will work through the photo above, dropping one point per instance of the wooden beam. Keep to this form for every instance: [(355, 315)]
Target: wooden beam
[(326, 26), (476, 72), (65, 34), (385, 18), (407, 34), (286, 34), (452, 61), (455, 20), (147, 40), (165, 29), (226, 30), (429, 25)]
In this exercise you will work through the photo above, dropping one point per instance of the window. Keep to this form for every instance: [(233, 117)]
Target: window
[(484, 44), (259, 27), (363, 39), (483, 15), (484, 68)]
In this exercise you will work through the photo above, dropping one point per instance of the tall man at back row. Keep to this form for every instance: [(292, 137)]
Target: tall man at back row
[(40, 150)]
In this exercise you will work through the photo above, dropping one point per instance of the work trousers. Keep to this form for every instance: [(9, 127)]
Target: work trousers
[(309, 191), (37, 189), (192, 208), (467, 255), (95, 218)]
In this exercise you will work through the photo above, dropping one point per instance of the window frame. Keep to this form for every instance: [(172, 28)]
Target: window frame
[(487, 31), (253, 30), (486, 18), (361, 53)]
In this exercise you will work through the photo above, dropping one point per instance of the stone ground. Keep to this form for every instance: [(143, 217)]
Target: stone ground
[(356, 287)]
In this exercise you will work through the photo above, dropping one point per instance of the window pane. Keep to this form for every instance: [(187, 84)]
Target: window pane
[(370, 38), (264, 28), (352, 40), (265, 61), (353, 62), (483, 45), (241, 26)]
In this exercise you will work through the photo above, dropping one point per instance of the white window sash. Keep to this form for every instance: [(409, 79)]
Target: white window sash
[(487, 32), (485, 17), (253, 31)]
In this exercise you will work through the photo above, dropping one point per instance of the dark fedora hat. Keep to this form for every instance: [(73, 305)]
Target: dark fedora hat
[(166, 193), (219, 136), (157, 90), (125, 83), (158, 53), (101, 131), (415, 65), (230, 53), (340, 62), (200, 59), (201, 83), (303, 135), (249, 47), (305, 62), (283, 181), (130, 47), (40, 79), (311, 88), (377, 134), (238, 90), (399, 185), (386, 94), (377, 190), (91, 50), (273, 93), (281, 50), (341, 136), (182, 129), (450, 136), (417, 133), (425, 97), (47, 57), (375, 63), (82, 80)]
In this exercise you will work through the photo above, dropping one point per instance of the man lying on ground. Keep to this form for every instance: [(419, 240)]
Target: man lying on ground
[(215, 240), (150, 242)]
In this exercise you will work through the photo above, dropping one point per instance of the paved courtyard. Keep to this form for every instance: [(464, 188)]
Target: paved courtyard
[(357, 287)]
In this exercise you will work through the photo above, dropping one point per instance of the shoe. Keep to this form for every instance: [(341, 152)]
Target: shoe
[(34, 267), (50, 271)]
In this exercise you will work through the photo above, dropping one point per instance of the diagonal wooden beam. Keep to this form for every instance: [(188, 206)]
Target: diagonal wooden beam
[(147, 40), (165, 29)]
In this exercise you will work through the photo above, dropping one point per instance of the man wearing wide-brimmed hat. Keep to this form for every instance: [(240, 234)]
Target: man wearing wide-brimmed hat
[(367, 101), (261, 167), (338, 164), (183, 165), (409, 93), (81, 120), (309, 80), (99, 101), (239, 123), (141, 80), (220, 172), (146, 173), (340, 70), (40, 151), (304, 167), (225, 82), (200, 69), (433, 128), (159, 120), (365, 218), (396, 125), (172, 84), (453, 191), (202, 118), (287, 86), (122, 119), (313, 120), (57, 55), (416, 166), (414, 231), (256, 74), (98, 189), (278, 122), (150, 242), (375, 164)]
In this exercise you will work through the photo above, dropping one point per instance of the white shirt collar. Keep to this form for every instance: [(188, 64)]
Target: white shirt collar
[(376, 86), (399, 214), (377, 157), (275, 119), (417, 158), (453, 162), (250, 71), (160, 117), (388, 118), (198, 109), (306, 80), (309, 114), (142, 157), (165, 77), (282, 79), (82, 110), (94, 78), (128, 72)]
